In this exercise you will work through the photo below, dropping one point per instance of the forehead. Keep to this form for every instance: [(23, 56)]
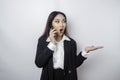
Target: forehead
[(59, 16)]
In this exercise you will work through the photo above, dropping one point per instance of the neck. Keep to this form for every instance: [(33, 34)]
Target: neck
[(59, 38)]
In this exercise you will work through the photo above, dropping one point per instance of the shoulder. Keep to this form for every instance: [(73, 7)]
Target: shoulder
[(42, 40), (72, 40), (73, 43)]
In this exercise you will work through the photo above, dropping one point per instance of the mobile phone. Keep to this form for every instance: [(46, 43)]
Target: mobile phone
[(55, 33)]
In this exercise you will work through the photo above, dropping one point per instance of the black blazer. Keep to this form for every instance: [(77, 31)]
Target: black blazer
[(44, 59)]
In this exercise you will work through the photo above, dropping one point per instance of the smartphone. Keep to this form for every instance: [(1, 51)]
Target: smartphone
[(55, 33)]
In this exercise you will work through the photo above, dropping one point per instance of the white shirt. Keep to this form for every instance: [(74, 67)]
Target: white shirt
[(58, 55)]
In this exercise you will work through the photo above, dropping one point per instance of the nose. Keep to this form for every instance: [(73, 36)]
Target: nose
[(61, 24)]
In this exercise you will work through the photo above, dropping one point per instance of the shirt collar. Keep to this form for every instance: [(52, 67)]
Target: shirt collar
[(63, 38)]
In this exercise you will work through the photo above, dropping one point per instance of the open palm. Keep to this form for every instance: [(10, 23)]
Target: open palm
[(92, 48)]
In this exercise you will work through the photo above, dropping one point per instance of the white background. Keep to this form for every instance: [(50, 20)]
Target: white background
[(90, 22)]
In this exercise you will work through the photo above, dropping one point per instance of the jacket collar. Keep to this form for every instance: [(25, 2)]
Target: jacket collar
[(63, 38)]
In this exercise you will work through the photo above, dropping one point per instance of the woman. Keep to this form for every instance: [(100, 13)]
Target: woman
[(56, 51)]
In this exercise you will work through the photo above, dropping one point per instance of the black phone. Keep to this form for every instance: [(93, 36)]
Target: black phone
[(55, 33)]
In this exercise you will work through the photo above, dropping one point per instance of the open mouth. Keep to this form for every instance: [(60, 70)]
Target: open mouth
[(61, 30)]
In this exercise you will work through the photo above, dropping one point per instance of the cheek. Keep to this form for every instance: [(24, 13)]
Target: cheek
[(65, 26), (54, 25), (56, 28)]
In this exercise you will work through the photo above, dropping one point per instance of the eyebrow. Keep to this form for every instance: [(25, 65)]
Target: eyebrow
[(59, 19)]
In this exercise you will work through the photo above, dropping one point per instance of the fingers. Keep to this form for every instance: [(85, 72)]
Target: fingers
[(95, 47), (52, 35), (99, 47), (92, 48), (53, 32)]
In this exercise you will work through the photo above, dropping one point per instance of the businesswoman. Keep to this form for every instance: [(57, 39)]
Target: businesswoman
[(56, 51)]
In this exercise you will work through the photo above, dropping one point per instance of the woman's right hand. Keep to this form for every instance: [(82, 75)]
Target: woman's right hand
[(52, 35)]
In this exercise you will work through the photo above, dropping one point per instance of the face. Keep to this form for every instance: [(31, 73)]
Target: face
[(59, 23)]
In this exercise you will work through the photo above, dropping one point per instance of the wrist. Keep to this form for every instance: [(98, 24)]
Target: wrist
[(51, 46), (54, 42), (87, 51)]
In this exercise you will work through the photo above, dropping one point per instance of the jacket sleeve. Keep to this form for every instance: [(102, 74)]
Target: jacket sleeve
[(78, 58), (43, 53)]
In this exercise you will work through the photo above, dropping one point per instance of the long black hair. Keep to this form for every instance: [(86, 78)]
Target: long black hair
[(51, 17)]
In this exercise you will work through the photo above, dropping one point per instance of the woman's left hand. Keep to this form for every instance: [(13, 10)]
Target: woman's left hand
[(92, 48)]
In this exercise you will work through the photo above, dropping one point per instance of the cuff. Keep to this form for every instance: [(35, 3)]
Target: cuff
[(51, 46), (84, 54)]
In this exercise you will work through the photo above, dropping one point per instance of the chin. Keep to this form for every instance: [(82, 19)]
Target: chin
[(61, 35)]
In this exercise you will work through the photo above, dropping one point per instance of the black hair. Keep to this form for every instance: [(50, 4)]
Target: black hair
[(51, 17)]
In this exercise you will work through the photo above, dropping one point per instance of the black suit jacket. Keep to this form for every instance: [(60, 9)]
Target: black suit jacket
[(44, 59)]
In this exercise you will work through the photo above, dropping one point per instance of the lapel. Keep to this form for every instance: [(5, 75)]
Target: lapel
[(50, 71), (66, 53), (50, 67)]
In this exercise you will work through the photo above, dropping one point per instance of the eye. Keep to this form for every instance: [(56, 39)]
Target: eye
[(64, 21), (57, 21)]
